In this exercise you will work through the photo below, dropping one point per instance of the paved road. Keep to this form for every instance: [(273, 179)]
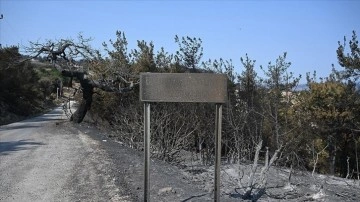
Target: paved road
[(42, 160)]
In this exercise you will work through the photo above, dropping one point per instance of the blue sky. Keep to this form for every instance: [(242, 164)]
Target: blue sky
[(307, 30)]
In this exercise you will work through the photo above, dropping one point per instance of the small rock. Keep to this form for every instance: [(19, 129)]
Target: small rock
[(165, 190)]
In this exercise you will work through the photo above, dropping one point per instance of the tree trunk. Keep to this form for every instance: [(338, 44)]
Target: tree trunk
[(332, 155), (344, 155), (85, 105), (61, 89)]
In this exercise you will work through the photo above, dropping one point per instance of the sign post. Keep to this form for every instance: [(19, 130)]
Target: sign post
[(217, 151), (147, 151), (183, 87)]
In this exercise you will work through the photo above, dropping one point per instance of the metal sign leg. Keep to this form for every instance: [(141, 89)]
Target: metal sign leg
[(218, 118), (147, 151)]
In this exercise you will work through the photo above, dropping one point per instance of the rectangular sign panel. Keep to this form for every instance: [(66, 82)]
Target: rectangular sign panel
[(183, 87)]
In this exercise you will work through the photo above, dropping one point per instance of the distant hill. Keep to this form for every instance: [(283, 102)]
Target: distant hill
[(302, 87)]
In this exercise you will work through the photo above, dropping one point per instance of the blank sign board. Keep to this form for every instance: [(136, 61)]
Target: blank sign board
[(183, 87)]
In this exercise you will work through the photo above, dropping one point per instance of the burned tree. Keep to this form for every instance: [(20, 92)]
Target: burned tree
[(76, 59)]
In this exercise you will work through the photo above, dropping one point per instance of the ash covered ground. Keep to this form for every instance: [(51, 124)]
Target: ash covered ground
[(192, 181)]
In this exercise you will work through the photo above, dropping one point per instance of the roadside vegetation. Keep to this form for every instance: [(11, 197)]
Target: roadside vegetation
[(266, 120), (26, 88)]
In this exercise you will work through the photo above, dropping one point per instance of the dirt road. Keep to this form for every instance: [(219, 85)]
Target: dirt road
[(40, 160)]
